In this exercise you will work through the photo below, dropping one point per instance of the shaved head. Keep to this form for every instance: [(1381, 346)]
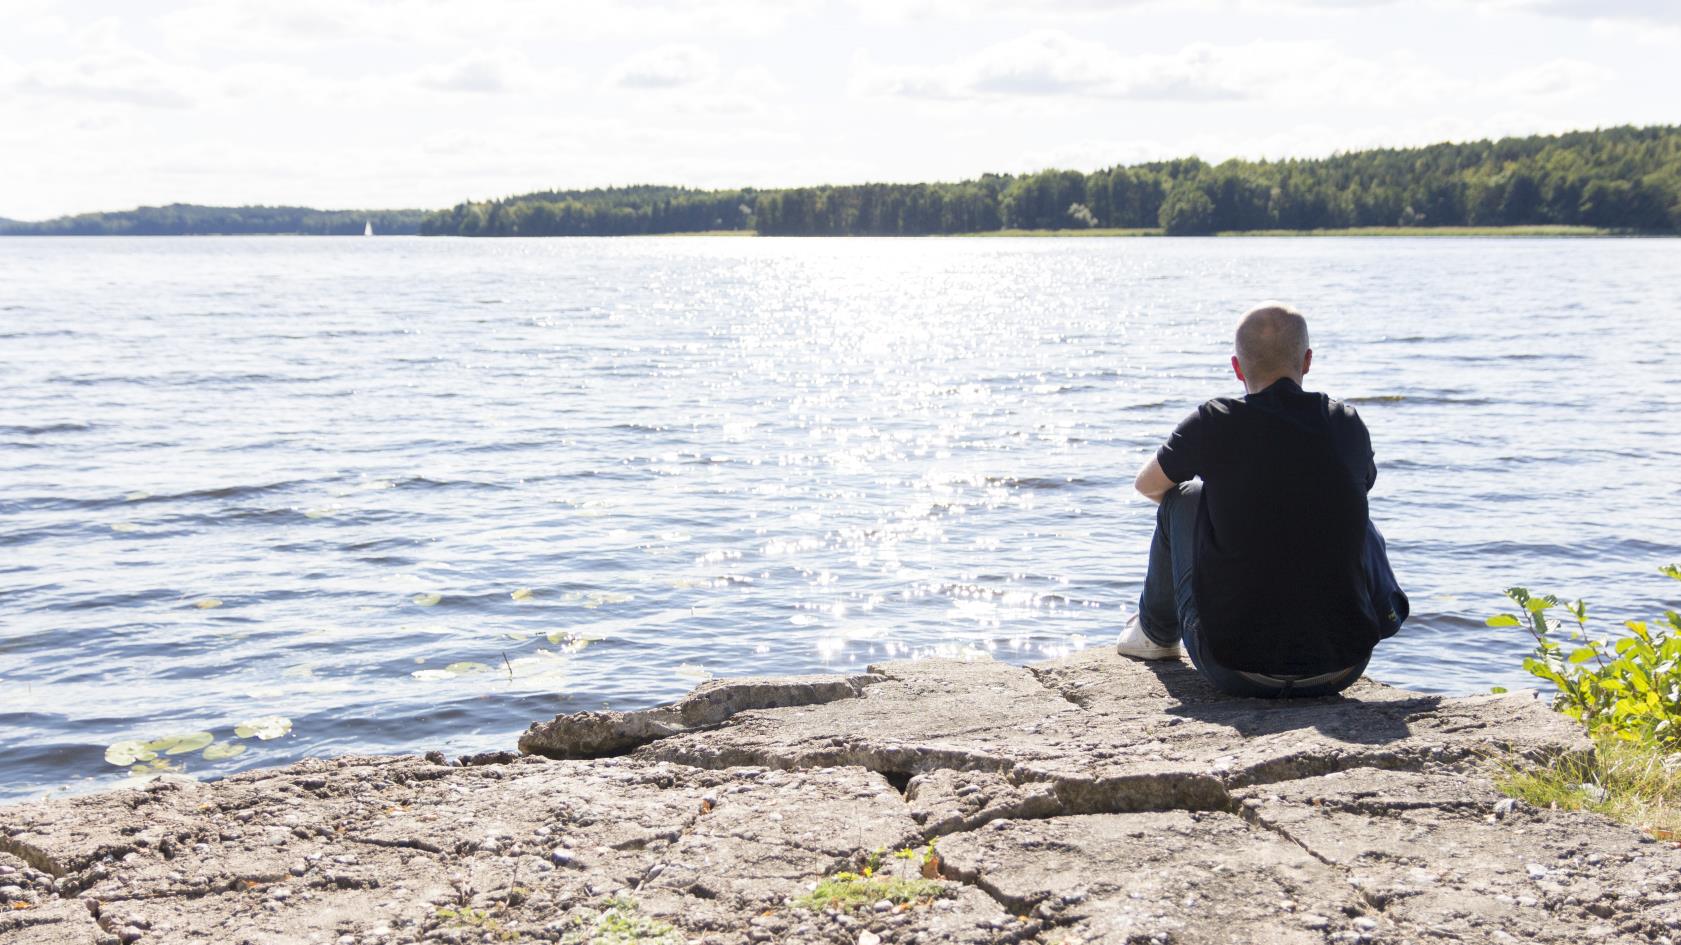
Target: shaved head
[(1271, 342)]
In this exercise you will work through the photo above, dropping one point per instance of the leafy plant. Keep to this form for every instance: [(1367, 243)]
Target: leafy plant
[(847, 890), (1628, 689), (620, 923)]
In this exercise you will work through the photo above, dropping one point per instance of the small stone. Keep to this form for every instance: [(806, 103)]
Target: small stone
[(1365, 923), (867, 937), (561, 856), (1315, 922), (884, 905), (129, 934), (1536, 871), (1505, 806)]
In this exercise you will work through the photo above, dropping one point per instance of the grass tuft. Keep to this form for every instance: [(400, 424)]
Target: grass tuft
[(845, 891), (1629, 782)]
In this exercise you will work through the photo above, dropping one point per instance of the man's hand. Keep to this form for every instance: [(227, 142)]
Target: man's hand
[(1152, 483)]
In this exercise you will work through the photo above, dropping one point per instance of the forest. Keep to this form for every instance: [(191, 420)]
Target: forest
[(180, 219), (1624, 178)]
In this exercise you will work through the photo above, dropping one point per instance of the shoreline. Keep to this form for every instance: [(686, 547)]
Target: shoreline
[(1090, 799), (1418, 232)]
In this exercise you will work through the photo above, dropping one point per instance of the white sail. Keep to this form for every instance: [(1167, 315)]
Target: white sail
[(368, 230)]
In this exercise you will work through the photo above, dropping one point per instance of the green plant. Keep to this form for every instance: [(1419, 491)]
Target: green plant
[(480, 919), (1630, 782), (845, 891), (1628, 689), (620, 923)]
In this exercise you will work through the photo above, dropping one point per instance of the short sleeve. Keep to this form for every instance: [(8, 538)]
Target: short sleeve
[(1181, 457)]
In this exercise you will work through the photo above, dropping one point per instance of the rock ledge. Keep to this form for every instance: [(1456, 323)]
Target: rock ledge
[(1087, 800)]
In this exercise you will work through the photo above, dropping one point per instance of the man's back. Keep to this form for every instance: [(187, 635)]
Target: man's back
[(1279, 580)]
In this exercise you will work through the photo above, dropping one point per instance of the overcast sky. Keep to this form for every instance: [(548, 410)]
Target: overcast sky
[(107, 104)]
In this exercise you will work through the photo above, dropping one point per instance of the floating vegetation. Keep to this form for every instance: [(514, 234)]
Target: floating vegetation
[(124, 527), (569, 641), (264, 728), (323, 512), (428, 600), (523, 593), (595, 599), (137, 496), (464, 668), (209, 603), (144, 758), (182, 744), (693, 671), (223, 750)]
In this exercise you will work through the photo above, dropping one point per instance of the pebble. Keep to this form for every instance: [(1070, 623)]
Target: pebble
[(129, 934), (562, 857), (884, 905), (1315, 922), (1504, 806), (1365, 923), (1535, 870), (867, 937)]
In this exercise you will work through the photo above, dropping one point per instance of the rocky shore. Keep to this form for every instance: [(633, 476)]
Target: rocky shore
[(1087, 800)]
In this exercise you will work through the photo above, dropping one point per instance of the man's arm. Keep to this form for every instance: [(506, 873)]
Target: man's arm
[(1151, 482)]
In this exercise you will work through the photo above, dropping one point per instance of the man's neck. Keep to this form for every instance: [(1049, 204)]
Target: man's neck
[(1251, 386)]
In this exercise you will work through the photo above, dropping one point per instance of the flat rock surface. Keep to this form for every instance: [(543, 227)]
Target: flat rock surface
[(1088, 800)]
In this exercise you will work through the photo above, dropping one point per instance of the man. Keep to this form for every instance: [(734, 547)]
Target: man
[(1268, 570)]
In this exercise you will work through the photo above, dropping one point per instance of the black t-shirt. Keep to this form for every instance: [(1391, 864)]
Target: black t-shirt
[(1279, 579)]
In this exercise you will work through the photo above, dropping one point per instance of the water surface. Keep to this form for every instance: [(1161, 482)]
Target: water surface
[(441, 488)]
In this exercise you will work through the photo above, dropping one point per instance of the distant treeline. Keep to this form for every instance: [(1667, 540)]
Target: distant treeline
[(1623, 178), (1619, 178), (612, 211), (180, 219)]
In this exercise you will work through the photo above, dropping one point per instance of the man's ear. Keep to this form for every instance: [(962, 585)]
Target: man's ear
[(1307, 361), (1238, 369)]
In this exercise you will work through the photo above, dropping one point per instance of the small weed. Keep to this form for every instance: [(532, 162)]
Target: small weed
[(480, 919), (845, 891), (620, 923)]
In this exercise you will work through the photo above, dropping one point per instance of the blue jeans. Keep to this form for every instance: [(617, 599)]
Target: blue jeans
[(1167, 609)]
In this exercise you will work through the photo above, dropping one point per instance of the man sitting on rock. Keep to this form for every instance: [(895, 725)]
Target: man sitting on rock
[(1268, 569)]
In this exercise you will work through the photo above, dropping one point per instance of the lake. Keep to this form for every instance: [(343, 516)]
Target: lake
[(412, 494)]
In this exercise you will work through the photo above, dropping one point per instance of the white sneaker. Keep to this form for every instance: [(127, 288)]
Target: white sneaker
[(1135, 644)]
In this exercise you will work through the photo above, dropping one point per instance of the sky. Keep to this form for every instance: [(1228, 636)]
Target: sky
[(351, 104)]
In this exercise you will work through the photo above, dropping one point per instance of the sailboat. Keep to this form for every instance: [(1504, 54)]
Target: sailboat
[(368, 230)]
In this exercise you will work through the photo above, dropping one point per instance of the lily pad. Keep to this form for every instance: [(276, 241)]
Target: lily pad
[(137, 496), (124, 527), (208, 603), (428, 600), (523, 593), (125, 753), (222, 750), (465, 667), (191, 741), (693, 671), (265, 728)]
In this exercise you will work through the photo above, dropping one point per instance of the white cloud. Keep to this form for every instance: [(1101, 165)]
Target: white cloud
[(105, 70), (1558, 78), (1660, 11), (667, 67), (1053, 63), (488, 73)]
